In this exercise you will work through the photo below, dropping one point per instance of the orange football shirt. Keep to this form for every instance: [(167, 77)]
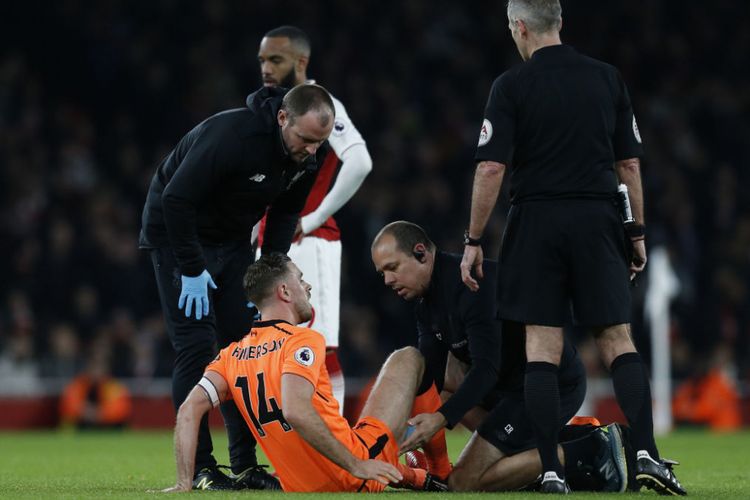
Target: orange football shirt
[(252, 368)]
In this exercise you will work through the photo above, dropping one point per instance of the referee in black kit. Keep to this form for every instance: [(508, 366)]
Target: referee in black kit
[(203, 202), (565, 125)]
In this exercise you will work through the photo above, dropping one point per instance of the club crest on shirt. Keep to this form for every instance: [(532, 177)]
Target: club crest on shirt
[(636, 132), (339, 128), (485, 134), (304, 356)]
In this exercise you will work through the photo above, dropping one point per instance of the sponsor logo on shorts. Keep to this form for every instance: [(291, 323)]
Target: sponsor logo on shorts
[(485, 134), (304, 356)]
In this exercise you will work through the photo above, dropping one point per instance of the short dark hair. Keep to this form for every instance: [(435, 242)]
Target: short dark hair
[(407, 235), (263, 275), (308, 97), (295, 35)]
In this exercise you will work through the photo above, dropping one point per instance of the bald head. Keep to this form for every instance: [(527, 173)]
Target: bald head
[(406, 236), (309, 98), (404, 255)]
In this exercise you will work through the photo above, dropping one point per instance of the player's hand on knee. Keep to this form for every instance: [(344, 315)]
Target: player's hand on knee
[(472, 261), (377, 470), (194, 294), (423, 426)]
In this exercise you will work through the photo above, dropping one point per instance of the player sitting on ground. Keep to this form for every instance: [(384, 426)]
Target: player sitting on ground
[(276, 374)]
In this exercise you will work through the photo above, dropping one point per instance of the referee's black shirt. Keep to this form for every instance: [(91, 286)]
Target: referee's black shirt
[(559, 121), (218, 181), (451, 318)]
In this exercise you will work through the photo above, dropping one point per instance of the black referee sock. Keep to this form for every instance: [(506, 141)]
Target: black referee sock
[(633, 392), (542, 399)]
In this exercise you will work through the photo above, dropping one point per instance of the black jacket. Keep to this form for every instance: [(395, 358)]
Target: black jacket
[(452, 318), (219, 180)]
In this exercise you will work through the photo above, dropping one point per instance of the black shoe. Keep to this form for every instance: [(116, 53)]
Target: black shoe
[(211, 478), (658, 475), (434, 483), (256, 478), (610, 463), (551, 483)]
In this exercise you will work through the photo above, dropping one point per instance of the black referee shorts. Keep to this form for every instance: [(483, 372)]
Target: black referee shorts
[(563, 256), (508, 428)]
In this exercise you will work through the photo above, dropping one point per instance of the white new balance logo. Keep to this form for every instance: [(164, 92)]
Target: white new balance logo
[(257, 178)]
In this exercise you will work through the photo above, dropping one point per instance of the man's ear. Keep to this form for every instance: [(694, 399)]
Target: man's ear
[(522, 29), (419, 251), (282, 118), (300, 67), (282, 292)]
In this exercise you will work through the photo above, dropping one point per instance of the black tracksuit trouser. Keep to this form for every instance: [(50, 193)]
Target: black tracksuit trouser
[(196, 342)]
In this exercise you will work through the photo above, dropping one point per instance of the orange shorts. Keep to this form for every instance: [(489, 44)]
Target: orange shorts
[(376, 441)]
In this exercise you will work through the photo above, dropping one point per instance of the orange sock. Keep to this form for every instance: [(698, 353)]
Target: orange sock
[(435, 449), (414, 479)]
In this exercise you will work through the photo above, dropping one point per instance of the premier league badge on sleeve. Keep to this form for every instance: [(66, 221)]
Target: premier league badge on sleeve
[(304, 356), (485, 134), (339, 128)]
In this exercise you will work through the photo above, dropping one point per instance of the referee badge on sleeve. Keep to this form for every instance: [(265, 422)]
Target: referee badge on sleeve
[(485, 134), (304, 356), (636, 132)]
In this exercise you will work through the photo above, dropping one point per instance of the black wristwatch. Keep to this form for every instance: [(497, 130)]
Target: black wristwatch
[(634, 230), (471, 242)]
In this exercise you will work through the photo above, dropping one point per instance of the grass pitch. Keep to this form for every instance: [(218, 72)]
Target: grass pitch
[(52, 465)]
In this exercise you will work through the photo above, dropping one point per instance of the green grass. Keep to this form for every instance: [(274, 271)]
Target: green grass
[(51, 465)]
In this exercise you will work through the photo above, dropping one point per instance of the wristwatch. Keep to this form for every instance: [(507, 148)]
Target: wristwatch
[(634, 230), (471, 242)]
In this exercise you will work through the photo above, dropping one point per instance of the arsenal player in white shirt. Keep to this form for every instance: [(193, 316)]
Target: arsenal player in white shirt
[(283, 55)]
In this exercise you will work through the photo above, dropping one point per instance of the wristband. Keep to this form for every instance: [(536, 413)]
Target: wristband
[(211, 392), (471, 242), (635, 230)]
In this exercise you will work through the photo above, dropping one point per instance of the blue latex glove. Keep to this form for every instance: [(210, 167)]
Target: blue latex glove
[(195, 291)]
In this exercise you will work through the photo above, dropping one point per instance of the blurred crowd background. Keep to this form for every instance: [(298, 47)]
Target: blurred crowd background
[(94, 93)]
